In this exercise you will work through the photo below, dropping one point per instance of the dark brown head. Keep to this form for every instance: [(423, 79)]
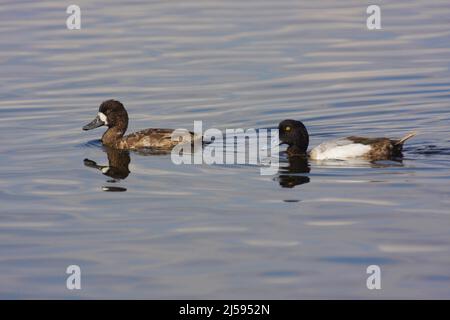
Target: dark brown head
[(111, 113), (294, 134)]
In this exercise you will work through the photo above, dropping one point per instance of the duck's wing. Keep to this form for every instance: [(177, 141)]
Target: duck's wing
[(155, 138), (340, 149)]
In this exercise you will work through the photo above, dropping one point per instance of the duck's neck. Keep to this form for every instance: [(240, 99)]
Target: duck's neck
[(295, 150), (113, 136)]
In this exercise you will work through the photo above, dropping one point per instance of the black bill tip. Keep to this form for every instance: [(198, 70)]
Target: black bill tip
[(97, 122)]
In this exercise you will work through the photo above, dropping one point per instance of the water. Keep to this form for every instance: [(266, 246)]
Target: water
[(199, 231)]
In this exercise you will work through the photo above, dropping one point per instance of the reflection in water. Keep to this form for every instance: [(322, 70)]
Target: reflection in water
[(113, 189), (118, 164), (289, 176), (232, 64), (358, 163), (292, 174), (117, 168), (151, 152), (431, 150)]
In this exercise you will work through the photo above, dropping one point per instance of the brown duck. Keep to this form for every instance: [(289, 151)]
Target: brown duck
[(294, 134), (112, 114)]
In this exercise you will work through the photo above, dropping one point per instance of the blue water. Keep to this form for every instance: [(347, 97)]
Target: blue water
[(223, 231)]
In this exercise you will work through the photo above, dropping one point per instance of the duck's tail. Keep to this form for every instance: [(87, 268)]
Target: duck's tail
[(407, 137)]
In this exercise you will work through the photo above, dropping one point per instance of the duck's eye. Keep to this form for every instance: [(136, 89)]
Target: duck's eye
[(287, 128)]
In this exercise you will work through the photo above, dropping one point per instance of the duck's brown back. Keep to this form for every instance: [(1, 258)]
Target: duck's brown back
[(153, 138), (381, 148)]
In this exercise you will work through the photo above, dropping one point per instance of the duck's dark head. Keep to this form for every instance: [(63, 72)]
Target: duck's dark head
[(294, 134), (111, 113)]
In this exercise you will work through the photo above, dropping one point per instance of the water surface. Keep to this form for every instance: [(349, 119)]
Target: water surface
[(199, 231)]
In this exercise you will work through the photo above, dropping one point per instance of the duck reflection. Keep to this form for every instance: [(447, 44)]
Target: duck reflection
[(291, 174), (117, 168), (358, 163)]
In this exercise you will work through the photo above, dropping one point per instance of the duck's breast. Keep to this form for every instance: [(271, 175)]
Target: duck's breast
[(340, 149)]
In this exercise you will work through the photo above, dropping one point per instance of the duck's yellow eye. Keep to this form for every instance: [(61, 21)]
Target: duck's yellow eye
[(288, 128)]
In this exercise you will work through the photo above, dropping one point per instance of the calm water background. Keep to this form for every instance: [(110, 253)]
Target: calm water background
[(224, 231)]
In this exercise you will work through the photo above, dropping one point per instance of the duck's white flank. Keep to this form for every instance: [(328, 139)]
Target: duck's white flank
[(340, 149)]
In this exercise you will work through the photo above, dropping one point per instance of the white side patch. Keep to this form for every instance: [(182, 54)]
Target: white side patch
[(103, 117), (341, 149)]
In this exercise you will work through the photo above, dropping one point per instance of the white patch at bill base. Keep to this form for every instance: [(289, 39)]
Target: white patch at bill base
[(103, 117), (105, 170)]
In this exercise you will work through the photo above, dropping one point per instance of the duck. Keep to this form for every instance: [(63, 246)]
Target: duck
[(295, 135), (113, 114)]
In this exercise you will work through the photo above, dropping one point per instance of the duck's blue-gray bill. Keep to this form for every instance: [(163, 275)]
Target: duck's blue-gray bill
[(94, 124)]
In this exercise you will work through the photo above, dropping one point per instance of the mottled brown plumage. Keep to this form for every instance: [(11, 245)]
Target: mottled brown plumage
[(382, 148), (112, 113)]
